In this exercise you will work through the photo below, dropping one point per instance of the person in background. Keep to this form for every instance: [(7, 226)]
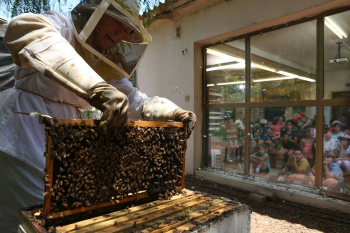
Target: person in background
[(231, 139), (289, 139), (330, 123), (329, 143), (259, 161), (303, 119), (306, 123), (336, 132), (295, 122), (344, 122), (277, 124), (264, 133), (306, 144), (332, 173), (253, 129), (240, 134), (343, 154), (297, 168)]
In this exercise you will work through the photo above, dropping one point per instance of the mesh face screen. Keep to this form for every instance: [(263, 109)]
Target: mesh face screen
[(89, 169)]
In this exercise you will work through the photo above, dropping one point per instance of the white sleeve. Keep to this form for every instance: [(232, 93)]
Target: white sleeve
[(241, 126), (333, 144), (62, 25), (135, 97)]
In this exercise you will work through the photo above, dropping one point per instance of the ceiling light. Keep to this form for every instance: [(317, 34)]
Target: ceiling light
[(307, 79), (263, 67), (210, 85), (336, 28), (237, 65), (230, 83), (287, 74), (272, 79), (333, 29), (223, 55)]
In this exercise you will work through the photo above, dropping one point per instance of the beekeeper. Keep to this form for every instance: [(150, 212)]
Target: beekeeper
[(66, 64)]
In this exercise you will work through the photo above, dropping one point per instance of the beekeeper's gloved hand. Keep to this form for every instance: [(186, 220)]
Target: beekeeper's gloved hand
[(114, 105), (162, 109)]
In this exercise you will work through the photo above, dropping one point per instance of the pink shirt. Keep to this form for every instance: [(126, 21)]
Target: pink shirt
[(277, 128)]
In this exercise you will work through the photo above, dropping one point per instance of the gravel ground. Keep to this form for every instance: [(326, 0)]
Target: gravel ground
[(278, 216)]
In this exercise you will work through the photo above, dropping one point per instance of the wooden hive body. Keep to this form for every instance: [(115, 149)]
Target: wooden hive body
[(86, 172)]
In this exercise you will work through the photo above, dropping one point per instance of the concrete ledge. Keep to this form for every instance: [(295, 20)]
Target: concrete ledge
[(290, 192), (236, 221)]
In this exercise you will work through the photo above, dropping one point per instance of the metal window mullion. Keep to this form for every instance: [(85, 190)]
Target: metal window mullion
[(319, 97), (247, 100), (205, 126)]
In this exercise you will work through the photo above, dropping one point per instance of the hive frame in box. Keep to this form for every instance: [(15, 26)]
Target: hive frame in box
[(48, 214)]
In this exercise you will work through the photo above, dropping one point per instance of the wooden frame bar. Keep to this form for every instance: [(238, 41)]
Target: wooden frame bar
[(48, 214)]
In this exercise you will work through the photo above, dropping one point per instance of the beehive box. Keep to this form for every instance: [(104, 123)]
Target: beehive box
[(86, 171)]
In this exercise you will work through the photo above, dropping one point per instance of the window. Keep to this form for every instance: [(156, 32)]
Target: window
[(273, 118), (225, 73), (226, 139), (283, 64), (337, 56)]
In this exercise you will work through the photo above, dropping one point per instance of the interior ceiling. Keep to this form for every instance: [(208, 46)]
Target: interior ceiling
[(295, 46)]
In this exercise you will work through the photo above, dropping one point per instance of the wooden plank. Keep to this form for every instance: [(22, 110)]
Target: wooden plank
[(129, 123), (191, 225), (172, 221), (155, 215), (131, 210), (127, 222)]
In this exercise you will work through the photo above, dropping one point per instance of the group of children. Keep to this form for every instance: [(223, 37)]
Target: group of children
[(299, 167)]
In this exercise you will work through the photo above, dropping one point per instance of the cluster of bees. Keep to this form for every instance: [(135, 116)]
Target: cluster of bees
[(90, 169)]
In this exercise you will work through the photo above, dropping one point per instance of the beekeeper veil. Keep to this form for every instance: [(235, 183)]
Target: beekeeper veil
[(123, 57)]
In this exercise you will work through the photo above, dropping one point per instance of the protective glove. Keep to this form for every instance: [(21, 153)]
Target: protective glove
[(114, 105), (33, 41), (162, 109)]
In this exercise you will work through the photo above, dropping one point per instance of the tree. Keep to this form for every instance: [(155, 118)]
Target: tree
[(17, 7)]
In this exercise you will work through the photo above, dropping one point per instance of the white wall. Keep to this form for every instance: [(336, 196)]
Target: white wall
[(164, 67)]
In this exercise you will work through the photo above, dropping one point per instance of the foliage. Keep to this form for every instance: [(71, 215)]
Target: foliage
[(17, 7)]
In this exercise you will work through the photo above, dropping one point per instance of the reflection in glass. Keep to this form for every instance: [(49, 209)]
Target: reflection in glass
[(336, 150), (282, 144), (226, 72), (226, 139), (337, 56), (283, 65)]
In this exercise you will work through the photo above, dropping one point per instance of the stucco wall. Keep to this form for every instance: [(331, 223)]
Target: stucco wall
[(164, 67)]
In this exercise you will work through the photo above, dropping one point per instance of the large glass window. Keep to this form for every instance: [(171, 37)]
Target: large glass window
[(276, 138), (226, 139), (282, 143), (283, 64), (337, 56), (225, 72)]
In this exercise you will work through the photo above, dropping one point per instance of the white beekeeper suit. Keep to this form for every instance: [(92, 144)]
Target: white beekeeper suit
[(54, 87)]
